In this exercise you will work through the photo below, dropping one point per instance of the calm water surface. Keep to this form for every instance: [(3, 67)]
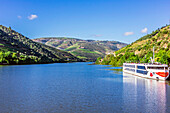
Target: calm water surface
[(78, 87)]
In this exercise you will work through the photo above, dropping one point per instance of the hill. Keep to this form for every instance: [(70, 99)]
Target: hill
[(88, 50), (141, 49), (18, 49)]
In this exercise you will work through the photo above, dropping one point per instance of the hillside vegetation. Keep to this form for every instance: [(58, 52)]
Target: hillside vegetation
[(18, 49), (142, 49), (88, 50)]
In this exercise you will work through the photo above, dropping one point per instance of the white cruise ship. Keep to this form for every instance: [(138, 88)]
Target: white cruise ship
[(148, 70), (154, 71)]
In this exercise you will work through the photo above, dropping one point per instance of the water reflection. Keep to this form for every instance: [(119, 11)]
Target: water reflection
[(139, 90), (78, 87), (116, 70)]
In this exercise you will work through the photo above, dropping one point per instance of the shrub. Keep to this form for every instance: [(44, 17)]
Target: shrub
[(158, 35), (168, 45), (165, 32), (159, 42)]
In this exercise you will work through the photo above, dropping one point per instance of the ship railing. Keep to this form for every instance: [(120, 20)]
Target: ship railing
[(148, 64)]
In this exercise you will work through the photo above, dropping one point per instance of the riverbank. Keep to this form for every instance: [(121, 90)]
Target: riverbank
[(41, 63)]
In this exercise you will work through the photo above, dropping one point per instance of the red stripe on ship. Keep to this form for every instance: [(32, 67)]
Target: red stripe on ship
[(162, 74), (151, 74)]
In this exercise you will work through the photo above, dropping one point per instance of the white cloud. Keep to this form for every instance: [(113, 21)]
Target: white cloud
[(32, 17), (128, 33), (97, 35), (145, 30), (19, 16)]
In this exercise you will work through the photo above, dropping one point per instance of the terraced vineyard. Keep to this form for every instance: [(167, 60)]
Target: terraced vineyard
[(88, 50), (15, 48), (141, 49)]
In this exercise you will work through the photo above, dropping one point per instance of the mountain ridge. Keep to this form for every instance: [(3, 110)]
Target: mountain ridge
[(15, 48), (141, 49), (88, 50)]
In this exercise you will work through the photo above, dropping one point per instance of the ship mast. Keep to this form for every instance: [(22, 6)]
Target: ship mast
[(153, 54)]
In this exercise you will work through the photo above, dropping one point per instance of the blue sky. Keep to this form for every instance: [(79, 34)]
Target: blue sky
[(120, 20)]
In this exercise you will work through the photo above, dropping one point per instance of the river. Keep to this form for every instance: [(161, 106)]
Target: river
[(79, 87)]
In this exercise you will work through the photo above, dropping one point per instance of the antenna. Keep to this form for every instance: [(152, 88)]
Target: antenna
[(153, 54), (151, 60)]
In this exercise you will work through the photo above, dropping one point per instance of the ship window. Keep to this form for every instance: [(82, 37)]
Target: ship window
[(141, 67), (142, 72), (133, 70), (132, 66), (162, 68)]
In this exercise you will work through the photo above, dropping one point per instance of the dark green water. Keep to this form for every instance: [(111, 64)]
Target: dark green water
[(78, 87)]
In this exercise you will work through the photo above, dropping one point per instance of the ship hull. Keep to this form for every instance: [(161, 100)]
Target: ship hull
[(158, 72)]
